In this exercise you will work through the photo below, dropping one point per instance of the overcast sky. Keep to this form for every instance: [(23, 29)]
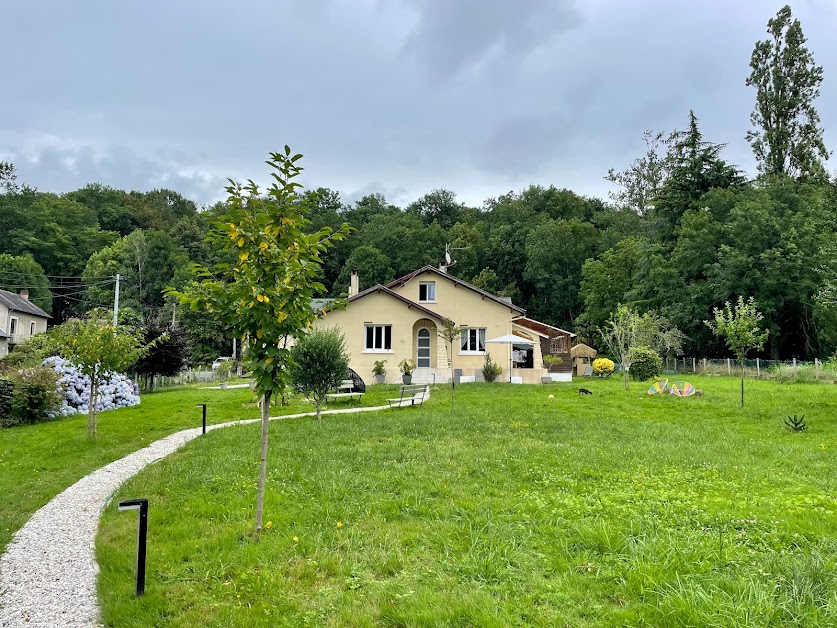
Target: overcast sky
[(393, 96)]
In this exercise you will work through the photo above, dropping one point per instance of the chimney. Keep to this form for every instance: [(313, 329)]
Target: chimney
[(24, 294), (354, 285)]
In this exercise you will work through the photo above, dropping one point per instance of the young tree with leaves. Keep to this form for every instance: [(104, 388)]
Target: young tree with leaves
[(319, 362), (620, 334), (265, 295), (97, 349), (739, 327), (449, 332), (787, 139)]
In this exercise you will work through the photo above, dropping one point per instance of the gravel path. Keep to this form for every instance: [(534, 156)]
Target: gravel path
[(48, 572)]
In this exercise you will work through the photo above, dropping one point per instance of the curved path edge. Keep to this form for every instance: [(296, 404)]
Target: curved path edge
[(48, 572)]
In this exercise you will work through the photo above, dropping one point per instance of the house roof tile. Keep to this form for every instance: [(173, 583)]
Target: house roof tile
[(540, 327), (17, 303)]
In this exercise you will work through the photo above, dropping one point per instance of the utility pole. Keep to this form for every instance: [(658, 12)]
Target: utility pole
[(116, 302)]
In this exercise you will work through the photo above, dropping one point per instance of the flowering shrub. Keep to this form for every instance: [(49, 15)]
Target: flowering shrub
[(602, 366), (115, 390)]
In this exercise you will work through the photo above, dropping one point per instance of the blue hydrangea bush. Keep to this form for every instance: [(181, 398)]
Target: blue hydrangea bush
[(115, 390)]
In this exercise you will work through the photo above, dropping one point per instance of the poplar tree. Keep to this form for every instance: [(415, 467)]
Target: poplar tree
[(787, 139)]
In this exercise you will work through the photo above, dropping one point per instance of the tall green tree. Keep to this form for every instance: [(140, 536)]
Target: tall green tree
[(23, 272), (265, 295), (787, 139), (642, 181), (373, 267), (740, 328)]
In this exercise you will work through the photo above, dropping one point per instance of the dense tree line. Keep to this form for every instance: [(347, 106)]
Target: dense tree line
[(686, 232)]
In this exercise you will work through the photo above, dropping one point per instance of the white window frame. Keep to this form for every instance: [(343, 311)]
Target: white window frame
[(13, 325), (430, 291), (376, 340), (469, 343), (31, 329)]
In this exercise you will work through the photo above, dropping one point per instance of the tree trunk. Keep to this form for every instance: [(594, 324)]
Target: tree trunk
[(262, 466), (742, 383), (319, 410), (91, 409)]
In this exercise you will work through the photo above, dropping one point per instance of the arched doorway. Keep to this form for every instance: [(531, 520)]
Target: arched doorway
[(423, 348)]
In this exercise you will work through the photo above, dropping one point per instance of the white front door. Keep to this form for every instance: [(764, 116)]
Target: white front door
[(423, 348)]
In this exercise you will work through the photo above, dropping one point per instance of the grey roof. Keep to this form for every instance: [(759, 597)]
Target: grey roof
[(506, 299), (17, 303), (319, 304)]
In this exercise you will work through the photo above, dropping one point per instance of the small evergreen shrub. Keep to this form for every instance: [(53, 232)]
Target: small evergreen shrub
[(603, 366), (645, 363), (795, 424), (490, 369)]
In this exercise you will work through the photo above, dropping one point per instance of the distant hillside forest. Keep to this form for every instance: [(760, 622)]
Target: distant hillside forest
[(686, 232)]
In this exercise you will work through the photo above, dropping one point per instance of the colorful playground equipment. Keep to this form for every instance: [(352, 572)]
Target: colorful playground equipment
[(682, 389), (678, 389), (659, 387)]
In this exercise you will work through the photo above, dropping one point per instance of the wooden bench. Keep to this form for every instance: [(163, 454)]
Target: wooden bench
[(411, 395), (344, 391)]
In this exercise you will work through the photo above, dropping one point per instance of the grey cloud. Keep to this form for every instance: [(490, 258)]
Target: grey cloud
[(450, 36), (65, 168), (478, 96)]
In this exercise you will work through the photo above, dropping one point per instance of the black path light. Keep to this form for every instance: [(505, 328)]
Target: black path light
[(142, 534), (203, 405)]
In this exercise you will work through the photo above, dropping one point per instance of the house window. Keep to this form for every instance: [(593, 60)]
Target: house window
[(378, 338), (558, 345), (13, 326), (472, 340), (31, 329), (427, 291)]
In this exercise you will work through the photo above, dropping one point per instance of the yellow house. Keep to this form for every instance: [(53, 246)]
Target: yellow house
[(402, 320)]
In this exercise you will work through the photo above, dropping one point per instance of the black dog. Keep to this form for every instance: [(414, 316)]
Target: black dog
[(584, 391)]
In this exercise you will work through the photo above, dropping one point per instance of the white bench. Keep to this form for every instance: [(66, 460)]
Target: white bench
[(411, 395), (344, 391)]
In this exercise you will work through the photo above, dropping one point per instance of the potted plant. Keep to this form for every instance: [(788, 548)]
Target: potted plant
[(379, 371), (223, 373), (407, 367), (549, 361)]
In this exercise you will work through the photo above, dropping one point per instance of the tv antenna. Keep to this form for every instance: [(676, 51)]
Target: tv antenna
[(449, 261)]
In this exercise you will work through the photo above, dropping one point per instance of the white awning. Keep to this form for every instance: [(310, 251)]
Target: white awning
[(511, 339)]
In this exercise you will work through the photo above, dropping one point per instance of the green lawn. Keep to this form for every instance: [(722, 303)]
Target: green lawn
[(39, 461), (616, 509)]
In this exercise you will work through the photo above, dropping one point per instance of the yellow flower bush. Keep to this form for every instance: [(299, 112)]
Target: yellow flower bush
[(602, 366)]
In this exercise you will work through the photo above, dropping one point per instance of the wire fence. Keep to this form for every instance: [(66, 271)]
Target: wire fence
[(187, 376), (779, 370)]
